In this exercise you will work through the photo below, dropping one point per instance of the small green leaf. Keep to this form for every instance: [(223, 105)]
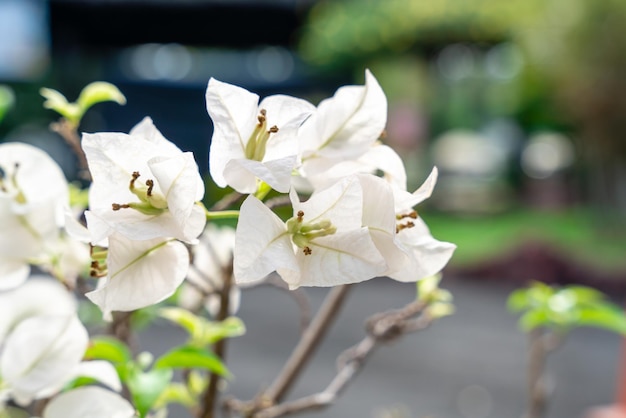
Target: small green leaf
[(57, 102), (184, 318), (97, 92), (518, 300), (534, 319), (605, 316), (190, 357), (146, 387), (7, 98), (108, 348), (175, 393), (215, 331), (10, 412)]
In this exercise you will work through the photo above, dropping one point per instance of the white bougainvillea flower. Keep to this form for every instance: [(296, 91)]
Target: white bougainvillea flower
[(212, 264), (40, 295), (253, 141), (137, 274), (343, 127), (427, 256), (143, 186), (324, 244), (33, 193), (89, 401), (41, 354)]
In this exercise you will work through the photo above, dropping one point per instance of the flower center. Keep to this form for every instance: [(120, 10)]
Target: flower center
[(404, 220), (98, 261), (151, 203), (255, 148), (302, 233), (9, 185)]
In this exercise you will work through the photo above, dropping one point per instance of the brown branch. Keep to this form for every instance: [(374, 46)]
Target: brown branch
[(381, 328), (209, 399), (226, 201), (541, 344), (69, 133)]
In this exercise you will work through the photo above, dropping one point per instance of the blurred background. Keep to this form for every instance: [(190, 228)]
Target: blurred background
[(520, 104)]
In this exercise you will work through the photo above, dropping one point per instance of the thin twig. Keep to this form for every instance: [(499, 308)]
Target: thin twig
[(70, 135), (226, 201), (381, 328), (541, 344), (211, 393)]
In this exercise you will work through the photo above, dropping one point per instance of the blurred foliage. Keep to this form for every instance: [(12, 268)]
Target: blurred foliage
[(573, 233), (562, 309), (574, 56), (340, 32), (7, 98)]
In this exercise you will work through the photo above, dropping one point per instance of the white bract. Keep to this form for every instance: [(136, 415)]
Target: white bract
[(253, 141), (427, 256), (325, 243), (137, 274), (38, 296), (341, 131), (40, 355), (33, 194), (143, 186), (89, 401)]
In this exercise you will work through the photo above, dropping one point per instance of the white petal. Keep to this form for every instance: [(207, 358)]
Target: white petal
[(241, 174), (337, 259), (233, 111), (141, 273), (38, 176), (405, 200), (147, 131), (38, 296), (12, 274), (429, 256), (384, 158), (41, 352), (100, 370), (179, 180), (89, 401), (342, 204), (262, 244), (347, 124)]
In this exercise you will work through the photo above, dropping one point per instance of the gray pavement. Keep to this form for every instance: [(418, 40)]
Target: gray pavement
[(469, 365)]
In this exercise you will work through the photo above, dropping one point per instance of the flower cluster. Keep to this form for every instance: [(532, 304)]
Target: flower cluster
[(145, 231), (355, 226)]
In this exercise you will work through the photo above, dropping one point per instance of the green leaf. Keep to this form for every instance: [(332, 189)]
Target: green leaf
[(176, 393), (108, 348), (585, 294), (191, 357), (7, 98), (190, 322), (146, 387), (10, 412), (215, 331), (97, 92), (518, 300), (605, 316), (534, 319), (57, 102)]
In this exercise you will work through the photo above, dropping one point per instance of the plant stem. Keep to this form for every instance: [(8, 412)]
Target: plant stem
[(211, 393), (309, 341), (541, 343), (69, 133)]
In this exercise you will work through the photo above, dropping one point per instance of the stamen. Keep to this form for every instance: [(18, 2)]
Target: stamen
[(273, 129), (307, 250), (300, 216), (134, 177), (150, 184), (117, 206)]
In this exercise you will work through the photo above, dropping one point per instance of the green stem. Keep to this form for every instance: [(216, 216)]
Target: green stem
[(221, 214), (263, 190)]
